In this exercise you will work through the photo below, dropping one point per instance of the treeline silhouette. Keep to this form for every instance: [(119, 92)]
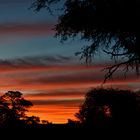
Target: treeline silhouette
[(101, 109)]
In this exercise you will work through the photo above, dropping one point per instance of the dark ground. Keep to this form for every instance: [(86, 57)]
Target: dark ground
[(67, 132)]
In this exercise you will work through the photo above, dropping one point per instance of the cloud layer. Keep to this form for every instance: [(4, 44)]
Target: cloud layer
[(54, 85)]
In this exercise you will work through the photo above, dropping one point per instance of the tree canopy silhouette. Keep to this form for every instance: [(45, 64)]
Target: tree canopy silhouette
[(110, 106), (13, 107), (110, 25)]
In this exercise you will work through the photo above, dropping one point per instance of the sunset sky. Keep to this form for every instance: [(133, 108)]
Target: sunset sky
[(46, 71)]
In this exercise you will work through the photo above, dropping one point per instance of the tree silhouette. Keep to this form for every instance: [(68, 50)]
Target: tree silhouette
[(13, 107), (103, 106), (111, 26), (33, 120)]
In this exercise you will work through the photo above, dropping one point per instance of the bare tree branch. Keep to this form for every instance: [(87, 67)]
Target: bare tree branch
[(131, 63)]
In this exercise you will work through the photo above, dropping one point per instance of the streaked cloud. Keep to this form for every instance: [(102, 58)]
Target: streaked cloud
[(57, 94), (34, 62), (63, 102), (27, 29)]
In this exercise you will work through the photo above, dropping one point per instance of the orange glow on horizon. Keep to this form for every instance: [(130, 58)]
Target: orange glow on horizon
[(54, 114)]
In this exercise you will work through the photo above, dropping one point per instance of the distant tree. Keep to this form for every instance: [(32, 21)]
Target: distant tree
[(46, 122), (13, 107), (32, 120), (73, 122), (109, 105), (111, 26)]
